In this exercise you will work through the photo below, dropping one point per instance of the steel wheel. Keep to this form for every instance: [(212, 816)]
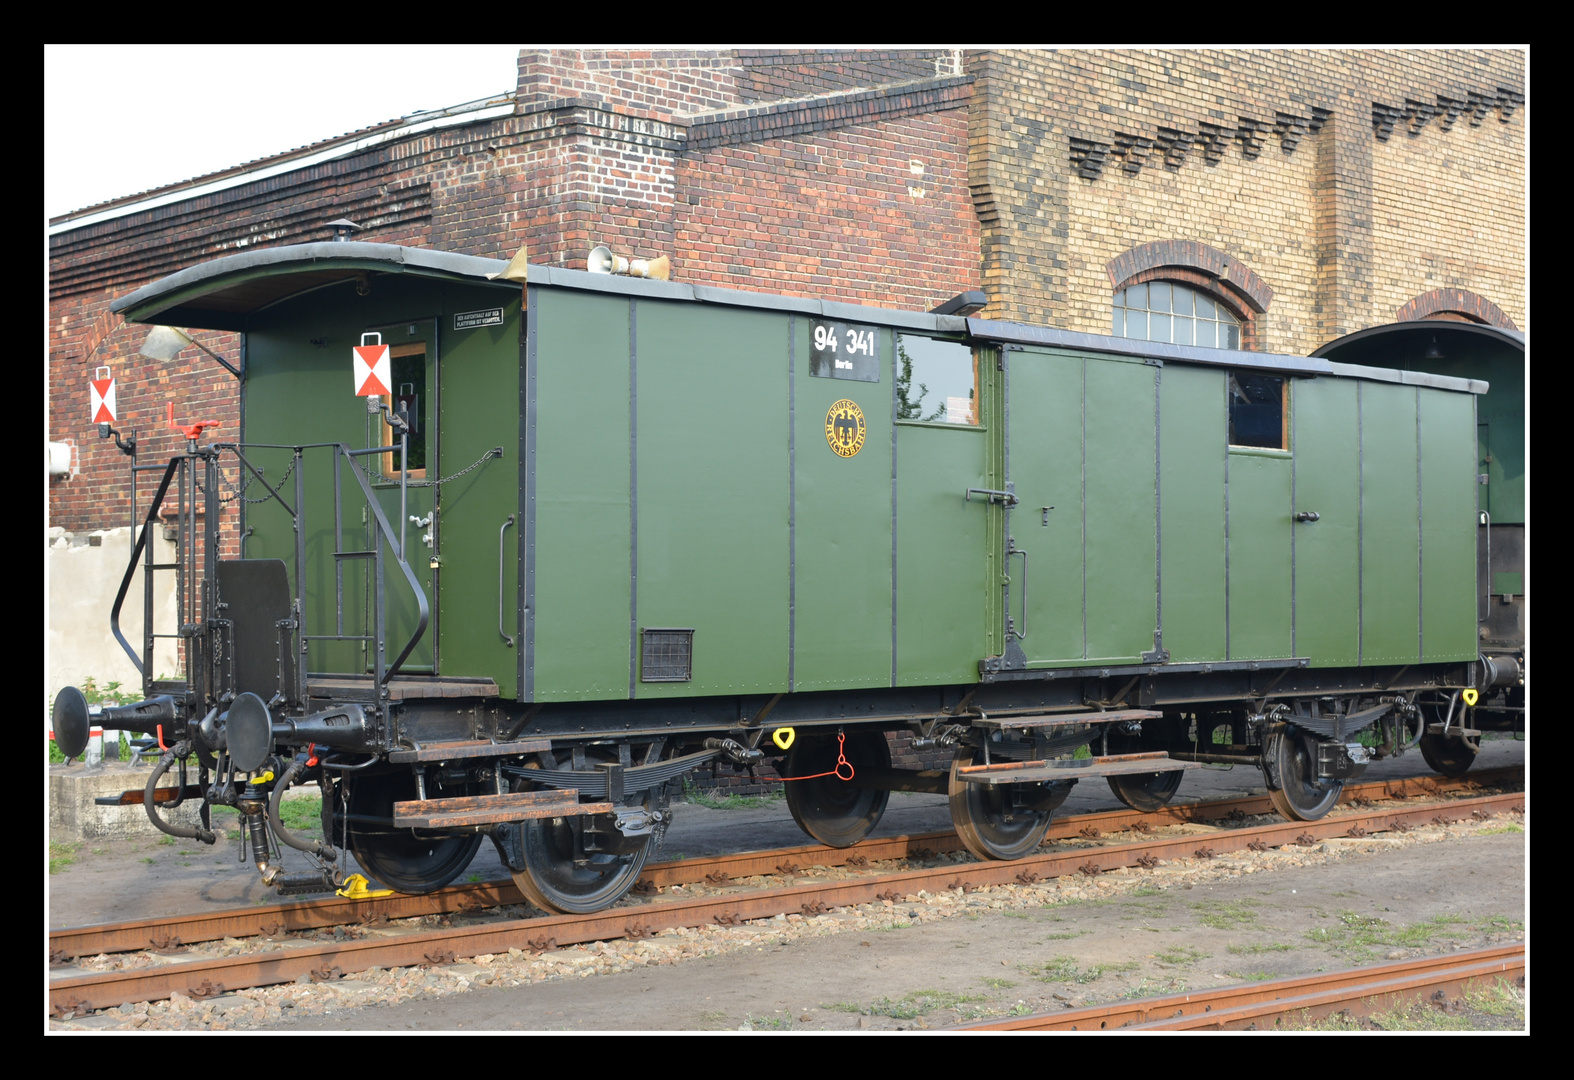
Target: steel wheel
[(560, 876), (1302, 795), (1146, 791), (831, 810), (1451, 755), (405, 860), (994, 822)]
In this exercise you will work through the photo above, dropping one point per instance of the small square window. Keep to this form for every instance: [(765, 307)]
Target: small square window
[(1257, 410)]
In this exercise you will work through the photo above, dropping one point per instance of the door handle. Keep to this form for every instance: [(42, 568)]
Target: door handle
[(1308, 515), (501, 579)]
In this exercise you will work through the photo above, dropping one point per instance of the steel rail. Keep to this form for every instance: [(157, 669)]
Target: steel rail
[(1257, 1005), (73, 993), (295, 916)]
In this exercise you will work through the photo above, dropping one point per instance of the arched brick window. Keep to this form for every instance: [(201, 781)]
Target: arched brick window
[(1210, 290), (1454, 305)]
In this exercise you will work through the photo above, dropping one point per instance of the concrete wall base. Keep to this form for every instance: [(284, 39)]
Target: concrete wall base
[(74, 816)]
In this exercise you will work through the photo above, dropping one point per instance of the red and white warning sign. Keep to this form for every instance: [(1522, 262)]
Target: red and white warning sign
[(102, 396), (373, 372)]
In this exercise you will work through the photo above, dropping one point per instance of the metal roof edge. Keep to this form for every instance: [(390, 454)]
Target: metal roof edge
[(1020, 334), (1409, 378), (387, 257)]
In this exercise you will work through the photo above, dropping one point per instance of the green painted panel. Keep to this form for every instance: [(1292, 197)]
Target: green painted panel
[(1448, 526), (1327, 551), (298, 390), (942, 574), (1121, 510), (1192, 430), (1259, 555), (843, 517), (1390, 534), (1046, 468), (712, 491), (582, 640)]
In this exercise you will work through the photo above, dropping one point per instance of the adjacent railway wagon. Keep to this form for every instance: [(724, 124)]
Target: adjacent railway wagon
[(591, 532)]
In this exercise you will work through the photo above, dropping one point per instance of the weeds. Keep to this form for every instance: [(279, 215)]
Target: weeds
[(1146, 989), (61, 856), (1181, 955), (1227, 916), (1365, 937), (1253, 948), (697, 797), (767, 1023), (1064, 969)]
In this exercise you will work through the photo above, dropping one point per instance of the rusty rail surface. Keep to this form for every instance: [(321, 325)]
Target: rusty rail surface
[(266, 921), (76, 993), (1254, 1006)]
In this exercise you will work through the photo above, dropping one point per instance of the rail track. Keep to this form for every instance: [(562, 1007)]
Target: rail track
[(299, 916), (72, 994), (1255, 1006)]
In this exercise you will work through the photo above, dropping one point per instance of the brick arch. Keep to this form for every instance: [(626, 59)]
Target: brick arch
[(1442, 303), (1226, 277)]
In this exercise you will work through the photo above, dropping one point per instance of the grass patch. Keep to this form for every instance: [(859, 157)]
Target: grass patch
[(1250, 976), (1234, 915), (1254, 948), (1499, 829), (1181, 955), (1064, 936), (768, 1023), (1064, 969), (61, 856), (999, 984), (1146, 988), (1016, 914), (919, 1003), (1365, 937), (1144, 890), (1497, 1008), (698, 797), (302, 815), (891, 926)]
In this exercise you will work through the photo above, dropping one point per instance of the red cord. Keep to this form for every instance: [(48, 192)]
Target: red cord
[(841, 759), (160, 729)]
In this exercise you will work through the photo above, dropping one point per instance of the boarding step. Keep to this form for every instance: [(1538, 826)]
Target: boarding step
[(403, 688), (492, 809), (459, 751), (1032, 723), (1033, 772)]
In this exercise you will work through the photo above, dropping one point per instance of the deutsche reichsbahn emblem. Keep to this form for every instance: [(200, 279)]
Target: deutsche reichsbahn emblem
[(844, 427)]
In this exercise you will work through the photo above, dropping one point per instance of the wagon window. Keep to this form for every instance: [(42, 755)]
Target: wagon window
[(1257, 410), (936, 381), (408, 364)]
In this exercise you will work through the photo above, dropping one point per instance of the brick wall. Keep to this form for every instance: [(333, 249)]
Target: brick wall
[(1277, 158)]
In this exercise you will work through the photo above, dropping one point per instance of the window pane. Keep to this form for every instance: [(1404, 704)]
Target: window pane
[(1232, 336), (1204, 307), (935, 381), (1256, 410), (1181, 303), (1136, 324), (1208, 334), (1118, 324), (1158, 327), (1159, 296), (1183, 330), (1137, 297)]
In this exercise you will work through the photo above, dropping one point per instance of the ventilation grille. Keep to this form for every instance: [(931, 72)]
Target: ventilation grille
[(667, 656)]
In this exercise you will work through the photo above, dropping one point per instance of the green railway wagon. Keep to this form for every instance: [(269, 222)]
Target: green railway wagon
[(523, 546)]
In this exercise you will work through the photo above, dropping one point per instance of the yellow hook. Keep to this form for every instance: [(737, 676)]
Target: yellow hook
[(1471, 697), (783, 737)]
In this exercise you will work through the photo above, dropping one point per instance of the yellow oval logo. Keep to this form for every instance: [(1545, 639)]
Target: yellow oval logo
[(845, 428)]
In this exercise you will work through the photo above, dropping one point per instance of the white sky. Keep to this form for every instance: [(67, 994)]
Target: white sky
[(119, 119)]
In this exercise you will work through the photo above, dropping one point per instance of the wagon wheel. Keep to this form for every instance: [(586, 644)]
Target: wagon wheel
[(1146, 792), (406, 860), (1302, 795), (560, 876), (1451, 755), (1006, 821), (832, 811)]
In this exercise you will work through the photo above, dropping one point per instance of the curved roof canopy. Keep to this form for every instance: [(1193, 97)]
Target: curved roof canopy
[(1405, 344), (221, 294)]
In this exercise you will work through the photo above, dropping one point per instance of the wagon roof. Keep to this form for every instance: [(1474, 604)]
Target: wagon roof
[(222, 293)]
